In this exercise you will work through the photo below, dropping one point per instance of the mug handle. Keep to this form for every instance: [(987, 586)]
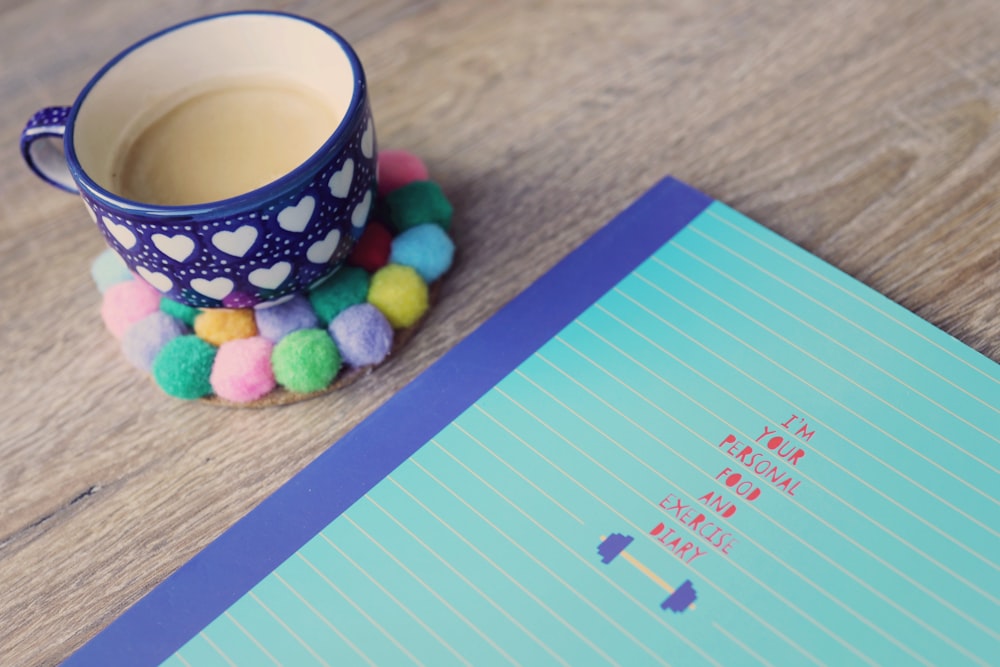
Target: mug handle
[(42, 149)]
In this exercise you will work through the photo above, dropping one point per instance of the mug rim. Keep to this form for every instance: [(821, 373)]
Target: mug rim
[(231, 205)]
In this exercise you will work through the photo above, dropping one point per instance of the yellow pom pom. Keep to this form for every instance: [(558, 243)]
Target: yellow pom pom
[(400, 293), (221, 325)]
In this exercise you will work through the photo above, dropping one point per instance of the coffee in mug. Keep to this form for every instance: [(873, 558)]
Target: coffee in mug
[(224, 139)]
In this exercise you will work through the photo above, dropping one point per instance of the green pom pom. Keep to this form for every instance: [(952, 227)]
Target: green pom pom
[(418, 203), (347, 287), (305, 360), (183, 367), (182, 312)]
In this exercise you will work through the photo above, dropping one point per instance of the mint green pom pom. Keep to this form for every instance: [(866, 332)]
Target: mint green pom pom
[(183, 367), (182, 312), (418, 203), (347, 287), (109, 269), (306, 360)]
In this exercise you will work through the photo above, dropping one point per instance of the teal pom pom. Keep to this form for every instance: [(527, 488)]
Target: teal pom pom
[(305, 361), (426, 248), (347, 287), (109, 269), (418, 203), (180, 311), (183, 367)]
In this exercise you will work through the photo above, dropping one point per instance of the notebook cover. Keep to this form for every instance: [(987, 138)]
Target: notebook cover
[(690, 442)]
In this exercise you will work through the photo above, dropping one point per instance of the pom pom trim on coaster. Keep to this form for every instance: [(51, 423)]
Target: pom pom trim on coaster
[(318, 342)]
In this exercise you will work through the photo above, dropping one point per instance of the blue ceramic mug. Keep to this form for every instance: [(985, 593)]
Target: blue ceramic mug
[(185, 113)]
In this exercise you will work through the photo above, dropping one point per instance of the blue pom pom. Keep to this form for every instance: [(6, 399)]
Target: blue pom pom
[(427, 248), (362, 334), (144, 339), (109, 269), (276, 322)]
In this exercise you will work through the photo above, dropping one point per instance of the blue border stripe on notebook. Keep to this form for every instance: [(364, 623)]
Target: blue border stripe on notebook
[(206, 586)]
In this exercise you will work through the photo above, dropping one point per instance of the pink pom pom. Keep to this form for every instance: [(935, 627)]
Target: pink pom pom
[(399, 168), (242, 370), (126, 303)]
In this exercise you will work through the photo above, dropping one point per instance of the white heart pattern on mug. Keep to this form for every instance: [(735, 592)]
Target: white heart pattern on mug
[(235, 243), (217, 288), (122, 234), (296, 218), (340, 182), (360, 215), (157, 280), (177, 247), (321, 251), (272, 277), (368, 141)]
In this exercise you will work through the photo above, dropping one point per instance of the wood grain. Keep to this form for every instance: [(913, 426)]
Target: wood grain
[(865, 131)]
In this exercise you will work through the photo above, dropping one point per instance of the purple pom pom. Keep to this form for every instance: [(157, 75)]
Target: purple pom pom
[(362, 334), (144, 339), (276, 322)]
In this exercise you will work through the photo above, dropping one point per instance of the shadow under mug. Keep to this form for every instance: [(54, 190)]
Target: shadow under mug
[(260, 246)]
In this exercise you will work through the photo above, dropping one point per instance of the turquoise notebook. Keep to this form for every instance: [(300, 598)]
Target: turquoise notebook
[(690, 443)]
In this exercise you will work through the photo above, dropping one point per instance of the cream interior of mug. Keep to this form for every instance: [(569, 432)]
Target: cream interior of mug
[(182, 64)]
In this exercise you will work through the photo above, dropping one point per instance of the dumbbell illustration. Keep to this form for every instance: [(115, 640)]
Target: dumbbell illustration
[(679, 599)]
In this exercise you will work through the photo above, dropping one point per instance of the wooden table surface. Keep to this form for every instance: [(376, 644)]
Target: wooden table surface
[(866, 131)]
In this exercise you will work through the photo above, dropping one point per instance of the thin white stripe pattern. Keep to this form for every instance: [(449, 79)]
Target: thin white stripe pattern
[(181, 659), (915, 583), (303, 643), (972, 487), (392, 597), (522, 476), (872, 334), (743, 646), (851, 442), (796, 405), (494, 565), (250, 636), (600, 465), (734, 429), (619, 445), (722, 590), (318, 614), (222, 654), (434, 552), (864, 302), (430, 589)]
